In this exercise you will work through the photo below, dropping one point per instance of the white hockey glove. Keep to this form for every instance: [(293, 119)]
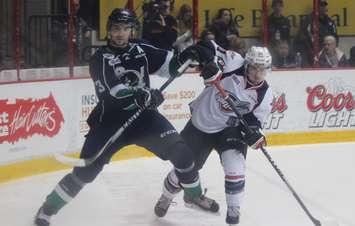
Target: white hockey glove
[(255, 138), (211, 73)]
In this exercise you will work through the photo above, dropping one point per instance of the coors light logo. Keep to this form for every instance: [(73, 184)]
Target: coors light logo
[(25, 118), (278, 109), (331, 105)]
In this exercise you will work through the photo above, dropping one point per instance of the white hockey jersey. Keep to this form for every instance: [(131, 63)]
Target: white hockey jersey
[(211, 113), (232, 62)]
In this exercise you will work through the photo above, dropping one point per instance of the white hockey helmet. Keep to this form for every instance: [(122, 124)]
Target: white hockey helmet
[(259, 58)]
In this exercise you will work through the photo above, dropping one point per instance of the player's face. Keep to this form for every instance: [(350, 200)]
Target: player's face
[(120, 34), (257, 73)]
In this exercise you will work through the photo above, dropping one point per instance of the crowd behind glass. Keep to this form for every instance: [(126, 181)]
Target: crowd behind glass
[(160, 28)]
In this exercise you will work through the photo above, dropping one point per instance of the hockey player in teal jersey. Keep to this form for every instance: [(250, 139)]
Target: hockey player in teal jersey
[(120, 72)]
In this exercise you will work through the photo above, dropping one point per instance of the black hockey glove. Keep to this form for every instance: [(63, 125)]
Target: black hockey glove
[(203, 52), (211, 73), (142, 98), (174, 65), (255, 138), (157, 98)]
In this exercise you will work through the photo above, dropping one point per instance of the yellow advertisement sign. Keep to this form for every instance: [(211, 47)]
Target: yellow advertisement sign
[(248, 14)]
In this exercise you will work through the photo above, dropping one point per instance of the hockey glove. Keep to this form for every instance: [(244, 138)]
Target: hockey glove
[(203, 52), (142, 98), (211, 73), (157, 98), (174, 65), (255, 139)]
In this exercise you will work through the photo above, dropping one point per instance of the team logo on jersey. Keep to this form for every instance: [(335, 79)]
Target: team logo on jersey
[(112, 59), (221, 62), (128, 77), (131, 78), (126, 56), (242, 106)]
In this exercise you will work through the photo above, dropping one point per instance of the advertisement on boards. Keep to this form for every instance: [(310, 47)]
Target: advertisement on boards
[(312, 101), (278, 110), (331, 104), (41, 118), (27, 117)]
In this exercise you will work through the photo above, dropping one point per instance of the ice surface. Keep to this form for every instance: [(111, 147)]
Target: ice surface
[(126, 191)]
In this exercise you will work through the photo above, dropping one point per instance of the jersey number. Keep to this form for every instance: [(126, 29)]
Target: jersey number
[(99, 86)]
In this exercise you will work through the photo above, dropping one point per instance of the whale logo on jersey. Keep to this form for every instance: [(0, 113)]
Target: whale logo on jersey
[(130, 77), (112, 59), (242, 106)]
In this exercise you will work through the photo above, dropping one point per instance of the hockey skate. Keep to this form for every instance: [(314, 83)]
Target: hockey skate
[(169, 192), (162, 206), (42, 219), (232, 215), (202, 202)]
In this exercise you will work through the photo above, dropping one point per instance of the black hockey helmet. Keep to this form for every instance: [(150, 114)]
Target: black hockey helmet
[(120, 15)]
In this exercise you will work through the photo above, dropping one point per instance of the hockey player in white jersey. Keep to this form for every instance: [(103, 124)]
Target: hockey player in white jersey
[(214, 125)]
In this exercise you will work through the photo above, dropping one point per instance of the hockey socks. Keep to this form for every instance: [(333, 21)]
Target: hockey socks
[(63, 193), (189, 180), (171, 186), (234, 188), (192, 189)]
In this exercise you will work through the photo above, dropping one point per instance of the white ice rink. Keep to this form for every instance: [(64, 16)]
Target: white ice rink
[(126, 191)]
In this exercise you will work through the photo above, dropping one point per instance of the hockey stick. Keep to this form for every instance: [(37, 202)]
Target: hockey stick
[(85, 162), (283, 178)]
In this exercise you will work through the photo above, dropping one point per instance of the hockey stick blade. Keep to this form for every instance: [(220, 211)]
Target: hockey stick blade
[(267, 155), (69, 161), (315, 221), (78, 162)]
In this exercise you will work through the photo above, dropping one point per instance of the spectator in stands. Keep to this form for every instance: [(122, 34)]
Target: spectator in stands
[(224, 28), (238, 45), (60, 35), (206, 35), (331, 56), (283, 57), (352, 57), (90, 12), (184, 19), (303, 39), (159, 27), (279, 25)]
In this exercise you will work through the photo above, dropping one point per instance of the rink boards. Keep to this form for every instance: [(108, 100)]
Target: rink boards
[(38, 119)]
